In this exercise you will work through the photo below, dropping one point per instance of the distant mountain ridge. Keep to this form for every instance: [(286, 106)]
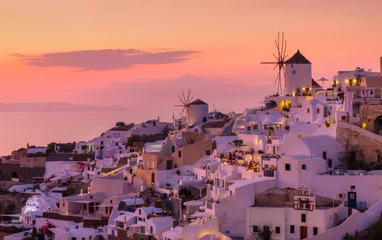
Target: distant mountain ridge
[(55, 107)]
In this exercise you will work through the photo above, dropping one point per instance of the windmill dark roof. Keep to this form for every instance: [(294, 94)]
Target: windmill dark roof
[(198, 102), (315, 84), (298, 58)]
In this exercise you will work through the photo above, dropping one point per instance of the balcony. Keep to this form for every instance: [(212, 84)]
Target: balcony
[(361, 205)]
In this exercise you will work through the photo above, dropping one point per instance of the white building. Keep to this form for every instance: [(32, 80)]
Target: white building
[(296, 218)]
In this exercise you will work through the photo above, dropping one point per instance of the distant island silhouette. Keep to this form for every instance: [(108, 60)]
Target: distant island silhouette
[(55, 107)]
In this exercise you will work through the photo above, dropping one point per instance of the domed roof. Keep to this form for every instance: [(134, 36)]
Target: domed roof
[(298, 58), (198, 102)]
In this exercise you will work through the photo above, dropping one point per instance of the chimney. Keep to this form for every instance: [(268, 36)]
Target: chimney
[(380, 67)]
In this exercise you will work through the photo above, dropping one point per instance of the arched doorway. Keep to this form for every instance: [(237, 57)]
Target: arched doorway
[(99, 237), (378, 124), (152, 177), (270, 105), (285, 104)]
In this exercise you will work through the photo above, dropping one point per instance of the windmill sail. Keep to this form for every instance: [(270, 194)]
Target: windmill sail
[(280, 57)]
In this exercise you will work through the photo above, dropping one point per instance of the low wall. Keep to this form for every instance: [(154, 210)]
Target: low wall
[(357, 222)]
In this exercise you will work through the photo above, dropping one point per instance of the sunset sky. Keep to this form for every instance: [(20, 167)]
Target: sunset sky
[(143, 53)]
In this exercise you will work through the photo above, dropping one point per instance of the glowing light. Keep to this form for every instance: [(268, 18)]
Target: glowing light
[(337, 81), (346, 80), (303, 89), (354, 80), (363, 125)]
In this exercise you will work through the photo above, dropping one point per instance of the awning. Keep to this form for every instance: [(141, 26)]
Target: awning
[(201, 214), (139, 224), (106, 205), (13, 215), (193, 203), (83, 201)]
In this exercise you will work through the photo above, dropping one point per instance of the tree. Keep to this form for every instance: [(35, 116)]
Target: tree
[(262, 233), (130, 142), (120, 124), (352, 157), (51, 148)]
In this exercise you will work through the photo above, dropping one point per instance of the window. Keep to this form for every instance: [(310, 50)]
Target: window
[(318, 110), (291, 66), (291, 228), (293, 71), (287, 167), (175, 166), (73, 238), (303, 217), (277, 230), (208, 152), (180, 154), (248, 128), (101, 142), (140, 211), (173, 149), (296, 119), (315, 231), (303, 167), (192, 141), (324, 155), (255, 228), (308, 110)]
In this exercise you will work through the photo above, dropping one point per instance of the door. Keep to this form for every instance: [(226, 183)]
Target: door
[(169, 164), (303, 232), (91, 207)]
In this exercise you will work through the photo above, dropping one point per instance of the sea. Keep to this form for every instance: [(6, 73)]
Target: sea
[(17, 129)]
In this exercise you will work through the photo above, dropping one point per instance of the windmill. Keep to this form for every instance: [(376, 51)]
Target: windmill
[(280, 61), (185, 104)]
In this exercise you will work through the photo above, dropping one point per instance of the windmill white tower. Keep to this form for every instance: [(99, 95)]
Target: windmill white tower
[(193, 112), (299, 75)]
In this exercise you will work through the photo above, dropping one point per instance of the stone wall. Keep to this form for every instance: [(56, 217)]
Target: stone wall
[(77, 186), (27, 175), (369, 115), (368, 141)]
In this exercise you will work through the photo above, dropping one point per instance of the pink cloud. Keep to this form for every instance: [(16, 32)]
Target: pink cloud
[(106, 59)]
